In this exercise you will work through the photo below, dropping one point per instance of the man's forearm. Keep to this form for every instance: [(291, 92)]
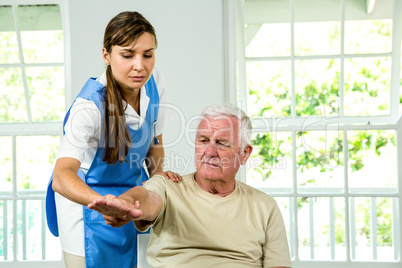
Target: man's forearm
[(136, 204), (149, 202)]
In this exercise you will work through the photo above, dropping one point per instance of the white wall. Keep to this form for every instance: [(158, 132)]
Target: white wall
[(190, 54)]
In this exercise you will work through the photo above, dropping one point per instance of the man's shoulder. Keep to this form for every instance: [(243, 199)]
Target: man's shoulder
[(162, 179), (258, 194)]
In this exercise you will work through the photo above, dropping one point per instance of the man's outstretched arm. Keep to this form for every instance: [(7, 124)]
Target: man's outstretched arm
[(135, 204)]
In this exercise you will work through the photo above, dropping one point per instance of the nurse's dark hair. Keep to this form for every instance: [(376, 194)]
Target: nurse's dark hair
[(124, 29)]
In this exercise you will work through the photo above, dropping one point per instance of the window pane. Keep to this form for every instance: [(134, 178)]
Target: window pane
[(268, 40), (286, 207), (32, 241), (41, 33), (317, 27), (6, 230), (385, 224), (317, 87), (270, 165), (321, 228), (12, 96), (368, 30), (269, 89), (36, 157), (6, 166), (372, 161), (8, 37), (368, 36), (367, 86), (46, 90), (320, 161), (267, 28), (372, 236), (317, 38), (43, 46)]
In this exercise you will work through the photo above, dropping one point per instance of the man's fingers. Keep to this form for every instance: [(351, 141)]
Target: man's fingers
[(110, 196)]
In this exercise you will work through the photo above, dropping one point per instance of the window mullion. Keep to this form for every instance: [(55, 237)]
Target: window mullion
[(292, 60), (373, 219), (43, 229), (351, 254), (398, 236), (395, 229), (22, 61), (342, 63), (332, 227), (292, 226), (241, 63), (396, 57), (311, 217), (5, 229), (24, 219), (295, 230), (349, 222), (14, 204)]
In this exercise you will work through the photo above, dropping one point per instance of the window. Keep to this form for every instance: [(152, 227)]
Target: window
[(32, 105), (321, 81)]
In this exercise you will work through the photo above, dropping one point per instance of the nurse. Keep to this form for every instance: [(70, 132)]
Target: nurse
[(112, 134)]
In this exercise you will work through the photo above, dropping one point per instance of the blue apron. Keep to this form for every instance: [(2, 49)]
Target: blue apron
[(106, 246)]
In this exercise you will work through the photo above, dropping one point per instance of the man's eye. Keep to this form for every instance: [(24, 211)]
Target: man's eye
[(203, 141), (224, 145)]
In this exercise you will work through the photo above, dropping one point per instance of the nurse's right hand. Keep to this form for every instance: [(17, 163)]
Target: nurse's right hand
[(116, 208)]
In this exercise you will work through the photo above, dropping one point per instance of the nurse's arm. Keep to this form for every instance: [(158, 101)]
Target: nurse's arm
[(136, 204), (67, 183), (155, 157), (154, 161)]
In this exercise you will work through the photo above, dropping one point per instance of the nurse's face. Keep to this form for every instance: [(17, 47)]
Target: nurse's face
[(132, 65)]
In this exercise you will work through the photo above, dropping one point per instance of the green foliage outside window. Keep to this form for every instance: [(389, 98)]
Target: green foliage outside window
[(367, 80)]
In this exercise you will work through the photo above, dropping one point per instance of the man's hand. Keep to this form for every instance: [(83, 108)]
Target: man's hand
[(115, 222), (116, 211)]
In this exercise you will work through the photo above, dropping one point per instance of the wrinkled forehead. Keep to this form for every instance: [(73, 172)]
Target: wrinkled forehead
[(218, 125)]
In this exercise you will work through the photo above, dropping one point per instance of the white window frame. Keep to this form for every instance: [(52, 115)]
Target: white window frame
[(236, 93), (30, 129)]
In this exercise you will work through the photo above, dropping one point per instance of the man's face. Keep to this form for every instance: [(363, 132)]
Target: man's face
[(218, 155)]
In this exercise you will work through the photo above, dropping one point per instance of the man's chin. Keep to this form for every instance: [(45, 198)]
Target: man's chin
[(210, 173)]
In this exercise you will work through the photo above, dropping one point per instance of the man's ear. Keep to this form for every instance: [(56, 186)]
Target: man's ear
[(246, 153), (106, 56)]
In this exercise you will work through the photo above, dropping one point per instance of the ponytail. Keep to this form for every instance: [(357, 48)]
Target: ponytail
[(117, 137)]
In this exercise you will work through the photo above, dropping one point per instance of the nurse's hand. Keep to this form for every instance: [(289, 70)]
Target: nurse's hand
[(117, 208), (175, 177)]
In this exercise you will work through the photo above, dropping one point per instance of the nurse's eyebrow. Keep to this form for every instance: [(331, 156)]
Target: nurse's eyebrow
[(132, 50)]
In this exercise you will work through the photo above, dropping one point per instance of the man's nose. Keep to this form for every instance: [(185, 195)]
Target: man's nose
[(211, 150)]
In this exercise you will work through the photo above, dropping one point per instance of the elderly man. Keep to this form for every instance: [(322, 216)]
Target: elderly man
[(209, 219)]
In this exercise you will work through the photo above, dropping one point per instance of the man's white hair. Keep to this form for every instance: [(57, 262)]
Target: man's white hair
[(228, 109)]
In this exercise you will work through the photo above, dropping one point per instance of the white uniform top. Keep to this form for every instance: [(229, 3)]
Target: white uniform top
[(80, 141)]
